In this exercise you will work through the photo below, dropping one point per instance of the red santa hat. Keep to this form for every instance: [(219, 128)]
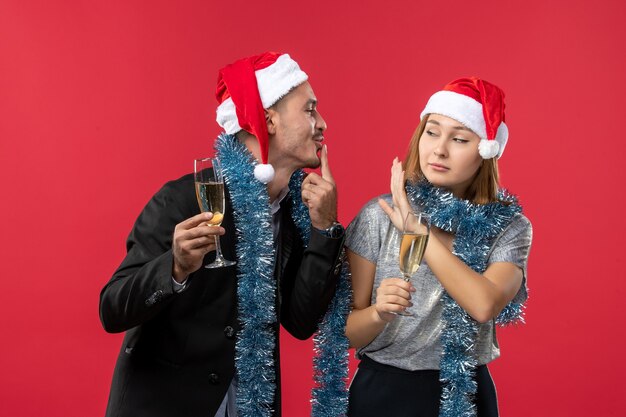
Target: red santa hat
[(248, 86), (478, 105)]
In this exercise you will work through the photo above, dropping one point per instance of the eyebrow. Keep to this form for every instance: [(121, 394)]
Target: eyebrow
[(459, 127)]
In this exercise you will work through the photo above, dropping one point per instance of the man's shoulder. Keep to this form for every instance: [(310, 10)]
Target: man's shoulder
[(178, 192), (182, 182), (183, 185)]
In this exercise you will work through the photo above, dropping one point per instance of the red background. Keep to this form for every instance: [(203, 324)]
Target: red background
[(102, 102)]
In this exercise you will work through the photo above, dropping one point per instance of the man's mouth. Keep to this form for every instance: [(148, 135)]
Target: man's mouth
[(318, 142)]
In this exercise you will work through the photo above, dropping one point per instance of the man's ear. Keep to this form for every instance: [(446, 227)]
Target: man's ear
[(271, 118)]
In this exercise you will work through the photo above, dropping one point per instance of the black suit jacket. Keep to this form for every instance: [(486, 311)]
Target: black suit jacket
[(177, 358)]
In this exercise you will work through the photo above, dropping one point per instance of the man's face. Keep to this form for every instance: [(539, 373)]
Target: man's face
[(296, 130)]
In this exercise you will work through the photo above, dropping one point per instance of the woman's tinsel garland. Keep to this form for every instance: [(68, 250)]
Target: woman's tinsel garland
[(257, 296), (475, 226), (329, 396)]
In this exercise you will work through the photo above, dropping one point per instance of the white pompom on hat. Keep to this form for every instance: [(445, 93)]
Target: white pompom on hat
[(478, 105), (248, 86)]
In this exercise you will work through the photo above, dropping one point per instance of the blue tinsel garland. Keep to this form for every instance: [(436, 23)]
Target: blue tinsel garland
[(475, 227), (329, 396), (257, 296)]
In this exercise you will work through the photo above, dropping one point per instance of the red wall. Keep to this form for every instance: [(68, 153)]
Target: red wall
[(102, 102)]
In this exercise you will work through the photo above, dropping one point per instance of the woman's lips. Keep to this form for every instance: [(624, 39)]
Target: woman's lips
[(439, 167)]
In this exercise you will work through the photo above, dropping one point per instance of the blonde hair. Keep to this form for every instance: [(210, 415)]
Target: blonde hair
[(482, 190)]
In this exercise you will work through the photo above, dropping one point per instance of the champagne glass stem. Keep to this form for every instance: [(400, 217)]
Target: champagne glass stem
[(219, 261), (218, 250)]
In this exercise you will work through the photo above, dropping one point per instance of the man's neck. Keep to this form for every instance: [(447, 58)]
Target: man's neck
[(282, 175), (279, 183)]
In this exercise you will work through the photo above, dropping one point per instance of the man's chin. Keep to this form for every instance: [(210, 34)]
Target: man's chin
[(313, 163)]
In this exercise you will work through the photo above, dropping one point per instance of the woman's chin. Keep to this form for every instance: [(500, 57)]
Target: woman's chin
[(434, 180)]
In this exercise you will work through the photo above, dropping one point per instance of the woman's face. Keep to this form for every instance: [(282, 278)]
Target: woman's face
[(449, 155)]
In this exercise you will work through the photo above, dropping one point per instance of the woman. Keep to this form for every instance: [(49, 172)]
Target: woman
[(433, 362)]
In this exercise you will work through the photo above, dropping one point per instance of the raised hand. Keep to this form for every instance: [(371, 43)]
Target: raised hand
[(193, 238), (401, 205), (319, 194)]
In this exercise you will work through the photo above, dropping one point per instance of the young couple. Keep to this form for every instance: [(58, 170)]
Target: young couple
[(204, 342)]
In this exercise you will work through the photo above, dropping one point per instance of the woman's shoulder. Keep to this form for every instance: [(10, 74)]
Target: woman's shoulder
[(371, 212), (518, 230), (520, 222), (372, 205)]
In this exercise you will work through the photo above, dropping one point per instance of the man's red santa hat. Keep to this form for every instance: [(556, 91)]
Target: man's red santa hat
[(248, 86), (477, 104)]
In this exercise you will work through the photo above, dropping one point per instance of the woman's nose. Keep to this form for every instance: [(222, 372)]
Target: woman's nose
[(440, 149)]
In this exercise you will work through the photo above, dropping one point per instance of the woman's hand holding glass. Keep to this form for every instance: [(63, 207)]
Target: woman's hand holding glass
[(393, 297)]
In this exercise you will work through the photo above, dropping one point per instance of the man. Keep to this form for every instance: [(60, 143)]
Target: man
[(204, 342)]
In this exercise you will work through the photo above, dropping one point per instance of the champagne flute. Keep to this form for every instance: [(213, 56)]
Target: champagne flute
[(210, 195), (415, 229)]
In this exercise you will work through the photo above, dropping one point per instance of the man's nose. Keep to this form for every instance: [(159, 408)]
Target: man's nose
[(320, 123)]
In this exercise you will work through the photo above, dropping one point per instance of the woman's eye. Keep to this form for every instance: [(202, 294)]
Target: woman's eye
[(430, 133), (460, 140)]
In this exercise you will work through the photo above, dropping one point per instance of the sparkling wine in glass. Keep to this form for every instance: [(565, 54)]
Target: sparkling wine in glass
[(210, 195), (415, 230)]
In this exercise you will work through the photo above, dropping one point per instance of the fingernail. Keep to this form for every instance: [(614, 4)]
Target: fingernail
[(413, 289)]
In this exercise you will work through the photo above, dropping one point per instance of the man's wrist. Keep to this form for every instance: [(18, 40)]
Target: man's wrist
[(179, 286), (178, 274), (334, 231)]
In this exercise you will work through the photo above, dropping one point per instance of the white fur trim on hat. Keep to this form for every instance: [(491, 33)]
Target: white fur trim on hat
[(279, 79), (459, 107), (274, 82), (468, 112), (264, 173), (502, 137), (227, 117)]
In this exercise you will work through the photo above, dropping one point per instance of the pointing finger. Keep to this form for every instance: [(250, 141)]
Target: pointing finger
[(325, 168)]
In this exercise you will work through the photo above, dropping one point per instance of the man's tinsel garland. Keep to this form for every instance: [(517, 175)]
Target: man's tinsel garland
[(329, 396), (257, 295), (475, 227), (256, 289)]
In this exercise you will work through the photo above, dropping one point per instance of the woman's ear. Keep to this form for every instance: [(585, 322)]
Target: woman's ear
[(270, 119)]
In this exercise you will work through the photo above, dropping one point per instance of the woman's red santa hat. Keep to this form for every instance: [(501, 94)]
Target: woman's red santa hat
[(248, 86), (478, 105)]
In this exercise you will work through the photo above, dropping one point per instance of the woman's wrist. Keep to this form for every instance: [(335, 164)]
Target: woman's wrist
[(381, 318)]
